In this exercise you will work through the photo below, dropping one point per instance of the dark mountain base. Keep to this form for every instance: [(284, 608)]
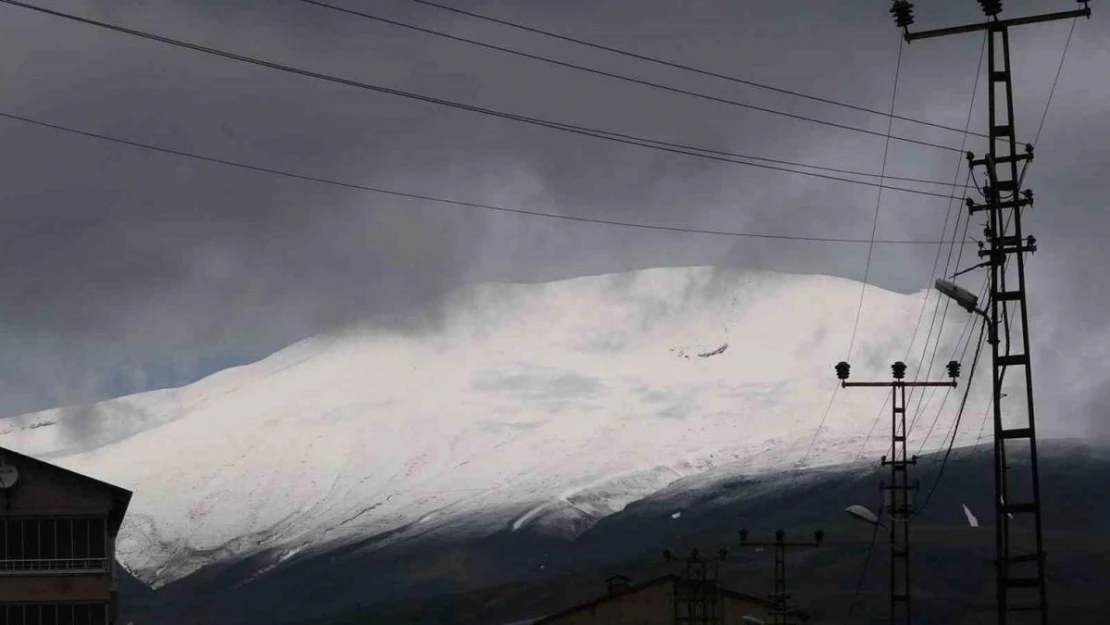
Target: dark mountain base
[(512, 576)]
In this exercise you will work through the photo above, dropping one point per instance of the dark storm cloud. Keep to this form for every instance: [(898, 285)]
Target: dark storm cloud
[(116, 259)]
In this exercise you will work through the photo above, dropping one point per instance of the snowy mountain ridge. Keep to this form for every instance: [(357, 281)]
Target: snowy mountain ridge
[(515, 406)]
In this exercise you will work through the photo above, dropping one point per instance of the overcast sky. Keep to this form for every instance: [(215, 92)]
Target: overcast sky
[(124, 269)]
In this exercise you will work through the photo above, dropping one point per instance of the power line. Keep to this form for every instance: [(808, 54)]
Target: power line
[(579, 130), (621, 77), (674, 65), (878, 204), (442, 200), (839, 170), (1007, 318), (948, 260), (863, 573), (867, 267), (955, 427), (936, 261), (943, 401), (936, 346), (947, 392), (1052, 91), (715, 155), (874, 424)]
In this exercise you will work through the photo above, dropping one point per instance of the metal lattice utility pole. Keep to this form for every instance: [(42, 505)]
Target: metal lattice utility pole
[(697, 597), (781, 611), (1020, 581), (896, 495)]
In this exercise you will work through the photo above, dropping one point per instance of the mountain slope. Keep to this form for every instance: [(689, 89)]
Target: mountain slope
[(538, 405)]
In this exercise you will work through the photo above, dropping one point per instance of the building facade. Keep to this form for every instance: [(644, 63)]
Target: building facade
[(668, 600), (57, 544)]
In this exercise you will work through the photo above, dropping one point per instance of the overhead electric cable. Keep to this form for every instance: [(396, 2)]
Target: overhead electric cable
[(947, 391), (622, 77), (863, 573), (442, 200), (867, 267), (944, 400), (936, 259), (878, 204), (1055, 80), (674, 65), (948, 261), (959, 415), (1007, 318), (579, 130), (839, 170)]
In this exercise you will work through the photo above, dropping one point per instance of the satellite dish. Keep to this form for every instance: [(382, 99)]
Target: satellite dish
[(8, 476)]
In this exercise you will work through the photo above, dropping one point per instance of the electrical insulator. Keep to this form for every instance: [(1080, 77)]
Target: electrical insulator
[(779, 534), (991, 7), (899, 369), (953, 369), (902, 12), (819, 535), (842, 369)]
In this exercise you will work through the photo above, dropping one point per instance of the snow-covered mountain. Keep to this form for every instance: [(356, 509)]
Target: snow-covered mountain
[(549, 405)]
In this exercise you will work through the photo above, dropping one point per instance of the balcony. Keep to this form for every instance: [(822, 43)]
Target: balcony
[(69, 566)]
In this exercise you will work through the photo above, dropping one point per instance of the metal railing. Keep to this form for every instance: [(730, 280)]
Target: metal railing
[(70, 565)]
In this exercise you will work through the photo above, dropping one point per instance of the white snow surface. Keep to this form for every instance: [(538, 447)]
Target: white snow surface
[(566, 399)]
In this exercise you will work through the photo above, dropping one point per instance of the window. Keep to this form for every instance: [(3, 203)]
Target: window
[(54, 614), (58, 544)]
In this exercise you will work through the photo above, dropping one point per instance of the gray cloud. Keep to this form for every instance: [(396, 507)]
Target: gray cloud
[(115, 259)]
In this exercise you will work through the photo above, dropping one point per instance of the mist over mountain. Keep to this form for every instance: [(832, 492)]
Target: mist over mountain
[(551, 404)]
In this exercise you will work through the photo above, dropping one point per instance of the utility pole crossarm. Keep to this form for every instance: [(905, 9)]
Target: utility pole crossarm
[(998, 24), (897, 383)]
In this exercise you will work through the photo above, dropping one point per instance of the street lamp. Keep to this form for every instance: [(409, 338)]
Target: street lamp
[(968, 301), (863, 514), (964, 298)]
